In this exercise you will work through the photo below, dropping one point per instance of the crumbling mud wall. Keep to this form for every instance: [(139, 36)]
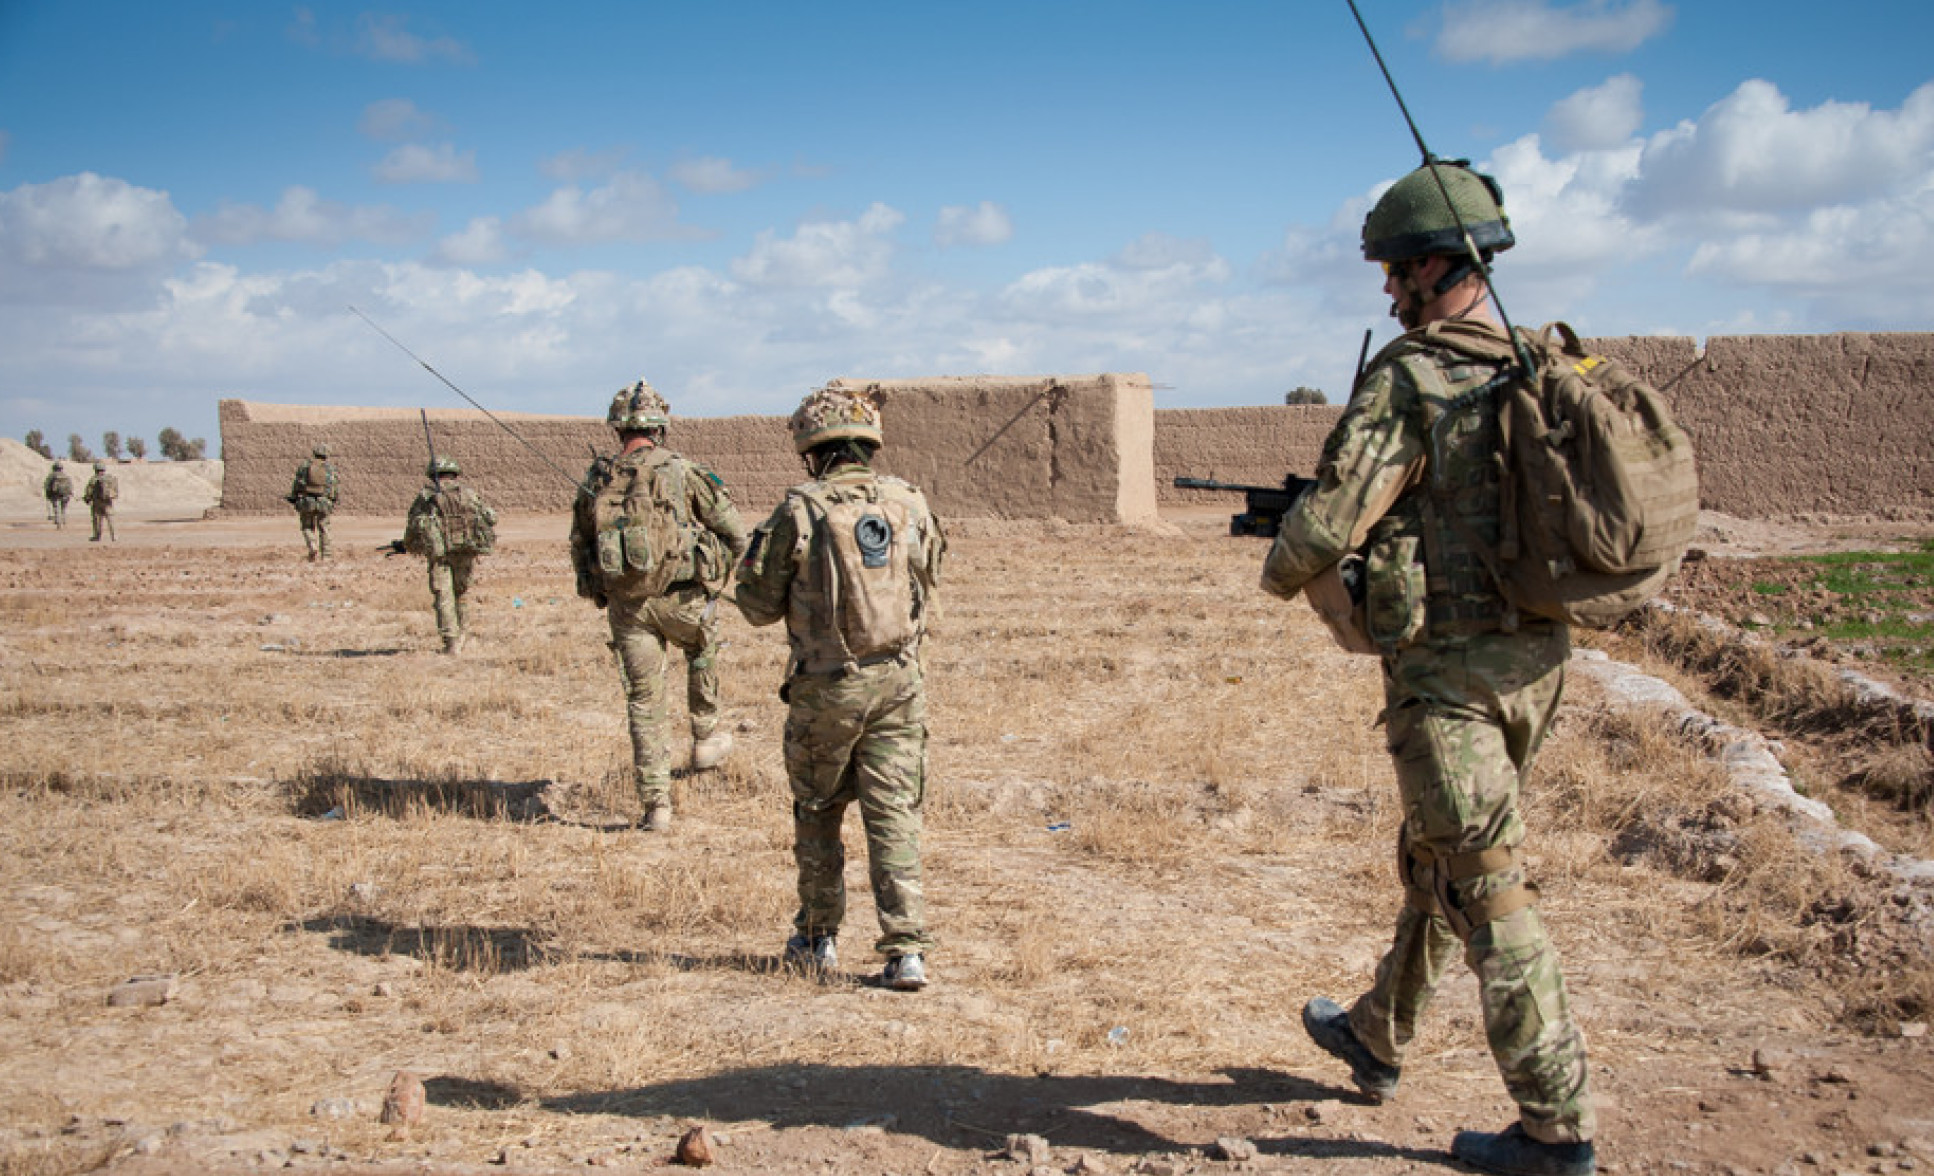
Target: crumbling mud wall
[(1077, 448), (1783, 424)]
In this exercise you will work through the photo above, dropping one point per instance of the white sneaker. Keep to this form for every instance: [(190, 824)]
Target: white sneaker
[(905, 973)]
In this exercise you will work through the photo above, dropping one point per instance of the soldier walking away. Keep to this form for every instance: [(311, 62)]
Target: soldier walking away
[(653, 539), (1406, 502), (100, 494), (314, 497), (850, 561), (58, 489), (450, 526)]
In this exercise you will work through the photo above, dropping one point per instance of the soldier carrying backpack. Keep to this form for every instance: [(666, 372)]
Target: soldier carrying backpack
[(58, 489), (313, 495), (653, 538), (449, 525), (850, 561), (102, 489)]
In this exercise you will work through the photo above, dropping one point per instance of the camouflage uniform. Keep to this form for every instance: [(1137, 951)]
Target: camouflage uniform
[(450, 571), (314, 497), (59, 491), (1470, 689), (99, 495), (856, 728), (684, 615)]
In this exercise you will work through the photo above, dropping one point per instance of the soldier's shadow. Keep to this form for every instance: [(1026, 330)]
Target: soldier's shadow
[(337, 794), (460, 948)]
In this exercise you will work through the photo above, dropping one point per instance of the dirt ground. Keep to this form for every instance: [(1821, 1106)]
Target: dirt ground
[(1160, 820)]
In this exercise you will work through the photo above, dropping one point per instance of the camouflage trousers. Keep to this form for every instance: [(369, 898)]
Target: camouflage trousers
[(449, 592), (1464, 724), (57, 511), (641, 632), (861, 737), (103, 523), (315, 532)]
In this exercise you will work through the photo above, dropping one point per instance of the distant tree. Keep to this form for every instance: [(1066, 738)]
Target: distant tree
[(37, 442), (138, 448), (77, 449), (1304, 395), (171, 444), (111, 444), (197, 449)]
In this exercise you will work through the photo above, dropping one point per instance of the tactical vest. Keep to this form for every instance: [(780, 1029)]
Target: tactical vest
[(860, 596), (449, 522), (101, 490), (60, 486), (643, 530), (316, 479)]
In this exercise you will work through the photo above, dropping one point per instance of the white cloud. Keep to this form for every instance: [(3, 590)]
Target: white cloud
[(577, 164), (1597, 117), (1500, 31), (92, 222), (711, 175), (385, 38), (390, 120), (303, 215), (415, 163), (1150, 278), (985, 223), (824, 253), (1751, 152), (632, 207), (481, 242)]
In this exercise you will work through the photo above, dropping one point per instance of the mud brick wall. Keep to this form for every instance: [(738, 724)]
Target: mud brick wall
[(1069, 447)]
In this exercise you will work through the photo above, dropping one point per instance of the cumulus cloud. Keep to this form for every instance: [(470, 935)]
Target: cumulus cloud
[(415, 163), (1151, 273), (390, 120), (577, 164), (985, 223), (481, 242), (824, 253), (1500, 31), (1751, 152), (632, 207), (711, 175), (92, 222), (303, 215), (388, 38), (1597, 117)]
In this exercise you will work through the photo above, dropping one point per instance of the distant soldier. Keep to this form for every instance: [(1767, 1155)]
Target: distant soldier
[(450, 526), (59, 491), (99, 496), (314, 497), (850, 561), (653, 539)]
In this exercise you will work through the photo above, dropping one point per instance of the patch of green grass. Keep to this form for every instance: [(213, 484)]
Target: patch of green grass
[(1766, 589), (1887, 593)]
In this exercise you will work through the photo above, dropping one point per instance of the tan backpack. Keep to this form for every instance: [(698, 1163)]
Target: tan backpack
[(453, 521), (1599, 491), (863, 565), (643, 540)]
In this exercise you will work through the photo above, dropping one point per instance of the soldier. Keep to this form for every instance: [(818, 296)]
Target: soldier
[(314, 497), (450, 526), (851, 561), (99, 496), (59, 491), (1406, 491), (653, 539)]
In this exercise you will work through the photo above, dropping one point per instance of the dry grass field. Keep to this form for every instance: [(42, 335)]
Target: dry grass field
[(1160, 819)]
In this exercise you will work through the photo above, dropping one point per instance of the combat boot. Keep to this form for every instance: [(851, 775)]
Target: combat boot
[(815, 954), (1514, 1153), (1329, 1027), (453, 645), (905, 973), (658, 817), (710, 752)]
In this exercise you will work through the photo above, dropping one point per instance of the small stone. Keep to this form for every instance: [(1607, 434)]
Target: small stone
[(1157, 1166), (148, 1145), (304, 1147), (1086, 1164), (383, 988), (363, 892), (1883, 1150), (1913, 1029), (1232, 1149), (500, 1156), (561, 1051), (1812, 1159), (143, 992), (403, 1105), (1029, 1149), (695, 1148), (1838, 1076), (1707, 1106), (1771, 1064), (333, 1108)]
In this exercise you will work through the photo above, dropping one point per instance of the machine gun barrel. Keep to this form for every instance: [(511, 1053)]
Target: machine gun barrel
[(1265, 506)]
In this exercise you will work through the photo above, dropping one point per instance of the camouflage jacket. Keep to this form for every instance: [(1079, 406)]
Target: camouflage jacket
[(101, 491), (707, 512), (301, 489), (58, 487)]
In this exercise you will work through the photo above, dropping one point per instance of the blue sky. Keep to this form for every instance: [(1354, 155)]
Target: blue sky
[(739, 201)]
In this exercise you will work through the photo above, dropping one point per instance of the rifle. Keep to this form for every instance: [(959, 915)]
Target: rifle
[(1265, 506), (393, 547)]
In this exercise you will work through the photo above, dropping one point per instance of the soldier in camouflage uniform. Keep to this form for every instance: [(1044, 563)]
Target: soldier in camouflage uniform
[(314, 497), (1407, 491), (672, 602), (99, 495), (450, 526), (59, 491), (850, 561)]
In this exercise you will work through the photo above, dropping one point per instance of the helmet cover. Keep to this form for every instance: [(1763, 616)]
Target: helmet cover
[(440, 465), (835, 414), (637, 408)]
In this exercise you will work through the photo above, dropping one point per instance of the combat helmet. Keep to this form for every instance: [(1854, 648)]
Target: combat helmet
[(637, 408), (321, 451), (1411, 219), (440, 465), (59, 464), (835, 414), (100, 467)]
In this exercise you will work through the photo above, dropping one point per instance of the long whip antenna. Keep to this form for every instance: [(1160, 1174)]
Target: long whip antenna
[(473, 401), (1431, 162)]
